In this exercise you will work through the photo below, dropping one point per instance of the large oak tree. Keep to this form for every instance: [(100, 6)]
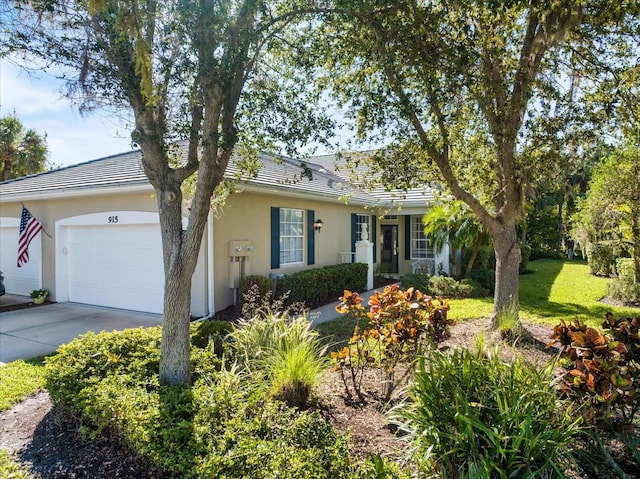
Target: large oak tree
[(459, 86), (194, 71)]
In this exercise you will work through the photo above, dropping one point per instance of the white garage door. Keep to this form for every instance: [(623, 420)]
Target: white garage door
[(117, 263), (28, 277)]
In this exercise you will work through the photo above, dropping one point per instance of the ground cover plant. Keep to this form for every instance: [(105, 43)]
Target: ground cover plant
[(223, 426), (231, 424), (19, 379)]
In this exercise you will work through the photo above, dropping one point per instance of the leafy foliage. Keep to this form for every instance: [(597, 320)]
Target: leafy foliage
[(469, 415), (19, 379), (624, 287), (219, 427), (283, 352), (601, 258), (601, 373), (399, 324), (318, 286), (22, 152)]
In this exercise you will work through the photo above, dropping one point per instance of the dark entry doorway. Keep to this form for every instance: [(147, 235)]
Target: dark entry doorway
[(389, 243)]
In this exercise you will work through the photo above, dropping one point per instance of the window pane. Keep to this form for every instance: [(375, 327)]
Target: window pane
[(291, 236)]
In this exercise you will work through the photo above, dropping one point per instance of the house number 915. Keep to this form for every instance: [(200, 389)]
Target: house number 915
[(113, 219)]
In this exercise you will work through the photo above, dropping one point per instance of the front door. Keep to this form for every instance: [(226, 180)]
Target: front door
[(389, 242)]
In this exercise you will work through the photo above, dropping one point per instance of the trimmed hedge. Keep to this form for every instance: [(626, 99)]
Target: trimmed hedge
[(315, 287)]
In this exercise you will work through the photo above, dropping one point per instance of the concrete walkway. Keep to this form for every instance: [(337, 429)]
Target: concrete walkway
[(328, 311), (39, 330)]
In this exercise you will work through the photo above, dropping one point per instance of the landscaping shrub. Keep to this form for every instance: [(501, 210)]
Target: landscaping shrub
[(470, 415), (600, 258), (315, 287), (210, 332), (444, 286), (219, 427), (624, 287), (399, 323), (418, 281), (486, 278), (600, 369), (448, 287)]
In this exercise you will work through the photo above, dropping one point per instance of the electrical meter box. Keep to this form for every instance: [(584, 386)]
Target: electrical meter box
[(240, 248)]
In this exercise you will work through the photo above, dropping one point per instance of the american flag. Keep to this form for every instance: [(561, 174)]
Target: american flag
[(29, 229)]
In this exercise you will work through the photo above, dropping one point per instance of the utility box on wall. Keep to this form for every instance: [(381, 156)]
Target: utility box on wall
[(239, 263), (240, 248)]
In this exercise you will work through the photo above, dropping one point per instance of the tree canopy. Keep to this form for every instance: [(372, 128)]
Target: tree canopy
[(202, 81), (469, 91), (22, 151)]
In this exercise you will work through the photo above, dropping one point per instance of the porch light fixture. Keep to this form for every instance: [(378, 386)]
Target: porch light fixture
[(317, 225)]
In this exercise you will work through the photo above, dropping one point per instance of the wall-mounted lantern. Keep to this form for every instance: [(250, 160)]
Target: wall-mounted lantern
[(317, 225)]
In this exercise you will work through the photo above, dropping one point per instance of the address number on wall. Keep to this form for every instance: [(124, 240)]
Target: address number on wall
[(112, 219)]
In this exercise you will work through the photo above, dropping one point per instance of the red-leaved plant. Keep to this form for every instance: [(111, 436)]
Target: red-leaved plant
[(400, 322)]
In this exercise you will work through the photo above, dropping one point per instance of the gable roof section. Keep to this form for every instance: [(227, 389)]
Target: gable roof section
[(122, 172), (412, 197)]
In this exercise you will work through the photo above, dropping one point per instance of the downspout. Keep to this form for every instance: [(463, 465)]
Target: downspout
[(210, 275)]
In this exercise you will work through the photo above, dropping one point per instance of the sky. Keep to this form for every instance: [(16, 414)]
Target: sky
[(38, 103)]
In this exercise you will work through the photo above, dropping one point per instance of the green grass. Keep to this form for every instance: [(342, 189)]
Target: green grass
[(18, 380), (554, 290), (10, 469)]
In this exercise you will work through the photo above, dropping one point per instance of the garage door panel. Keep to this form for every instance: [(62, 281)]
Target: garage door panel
[(116, 265)]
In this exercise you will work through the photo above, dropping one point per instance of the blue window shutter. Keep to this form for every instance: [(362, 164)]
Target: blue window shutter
[(373, 236), (407, 237), (275, 237), (311, 237), (354, 234)]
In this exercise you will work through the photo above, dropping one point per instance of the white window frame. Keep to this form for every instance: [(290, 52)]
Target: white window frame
[(420, 244), (292, 239), (363, 220)]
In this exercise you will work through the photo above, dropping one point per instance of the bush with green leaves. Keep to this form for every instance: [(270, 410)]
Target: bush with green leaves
[(624, 287), (600, 257), (443, 286), (211, 333), (418, 281), (318, 286), (470, 415), (222, 426)]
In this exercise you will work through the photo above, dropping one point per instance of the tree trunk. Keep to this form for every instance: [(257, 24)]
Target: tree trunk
[(508, 255), (175, 347), (474, 255)]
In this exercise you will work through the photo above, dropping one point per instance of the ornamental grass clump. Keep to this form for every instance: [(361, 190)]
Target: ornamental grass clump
[(470, 415), (283, 352)]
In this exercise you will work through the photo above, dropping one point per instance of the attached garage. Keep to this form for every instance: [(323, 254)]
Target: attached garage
[(29, 276), (111, 259)]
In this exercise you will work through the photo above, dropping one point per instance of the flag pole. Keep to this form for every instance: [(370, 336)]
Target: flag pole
[(43, 229)]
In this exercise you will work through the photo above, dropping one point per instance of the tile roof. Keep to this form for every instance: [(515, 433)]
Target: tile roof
[(412, 197), (125, 170)]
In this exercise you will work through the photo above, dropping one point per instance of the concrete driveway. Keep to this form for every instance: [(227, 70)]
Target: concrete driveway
[(34, 331)]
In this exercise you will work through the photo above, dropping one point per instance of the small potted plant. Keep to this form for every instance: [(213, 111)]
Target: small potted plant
[(38, 295)]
